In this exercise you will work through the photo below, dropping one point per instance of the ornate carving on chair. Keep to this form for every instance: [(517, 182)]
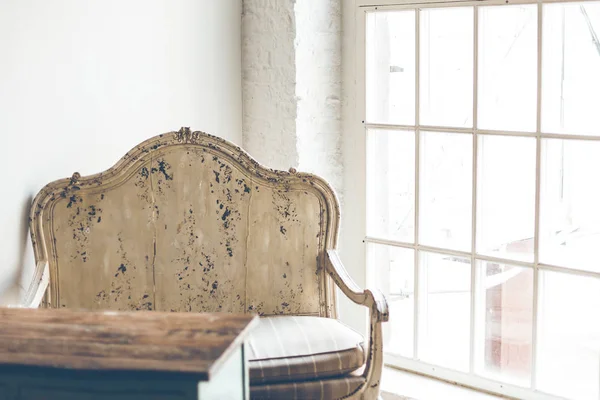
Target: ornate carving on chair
[(188, 222)]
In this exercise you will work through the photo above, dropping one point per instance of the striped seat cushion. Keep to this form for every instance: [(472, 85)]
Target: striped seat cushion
[(296, 348), (329, 389)]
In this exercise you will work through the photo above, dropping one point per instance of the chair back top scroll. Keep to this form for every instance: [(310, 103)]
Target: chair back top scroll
[(187, 221)]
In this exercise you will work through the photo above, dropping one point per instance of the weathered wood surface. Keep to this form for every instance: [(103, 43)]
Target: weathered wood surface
[(187, 222), (125, 341)]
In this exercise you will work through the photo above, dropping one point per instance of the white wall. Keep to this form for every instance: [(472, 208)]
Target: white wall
[(269, 82), (82, 82), (319, 88), (352, 248), (291, 79)]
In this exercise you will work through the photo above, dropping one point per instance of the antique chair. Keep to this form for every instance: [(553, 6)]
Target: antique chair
[(188, 222)]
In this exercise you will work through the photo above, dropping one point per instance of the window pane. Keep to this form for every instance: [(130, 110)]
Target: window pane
[(393, 269), (571, 61), (569, 204), (391, 67), (507, 84), (444, 310), (569, 335), (391, 185), (446, 67), (445, 190), (506, 197), (505, 322)]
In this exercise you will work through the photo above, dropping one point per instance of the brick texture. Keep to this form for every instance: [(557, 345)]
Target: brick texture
[(291, 82)]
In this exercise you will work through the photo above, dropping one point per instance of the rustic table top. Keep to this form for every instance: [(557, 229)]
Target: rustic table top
[(121, 341)]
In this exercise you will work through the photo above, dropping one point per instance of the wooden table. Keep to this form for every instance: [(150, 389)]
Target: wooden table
[(85, 355)]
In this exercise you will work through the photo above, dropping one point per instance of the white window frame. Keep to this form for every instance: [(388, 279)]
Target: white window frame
[(359, 126)]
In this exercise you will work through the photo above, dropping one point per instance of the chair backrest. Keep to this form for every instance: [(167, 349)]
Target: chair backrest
[(187, 221)]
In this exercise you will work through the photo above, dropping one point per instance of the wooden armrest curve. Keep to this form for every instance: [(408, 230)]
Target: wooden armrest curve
[(38, 286), (380, 304), (372, 298)]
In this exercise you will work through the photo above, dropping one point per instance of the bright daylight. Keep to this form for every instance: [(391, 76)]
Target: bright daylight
[(300, 200), (483, 199)]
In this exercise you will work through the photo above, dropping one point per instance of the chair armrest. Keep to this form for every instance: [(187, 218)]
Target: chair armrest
[(380, 304), (372, 298), (39, 284)]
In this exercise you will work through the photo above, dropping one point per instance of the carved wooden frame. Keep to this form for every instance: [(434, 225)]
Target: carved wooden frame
[(43, 289)]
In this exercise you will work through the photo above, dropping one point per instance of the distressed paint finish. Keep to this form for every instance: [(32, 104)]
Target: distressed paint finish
[(189, 222), (202, 208), (100, 262), (285, 218)]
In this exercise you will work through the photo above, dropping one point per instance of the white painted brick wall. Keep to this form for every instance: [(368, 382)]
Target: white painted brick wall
[(318, 88), (291, 82), (269, 82)]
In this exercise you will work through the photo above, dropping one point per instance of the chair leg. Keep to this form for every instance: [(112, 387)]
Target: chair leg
[(374, 362)]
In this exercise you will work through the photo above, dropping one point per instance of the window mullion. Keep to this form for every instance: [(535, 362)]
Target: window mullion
[(417, 287), (536, 239), (474, 288)]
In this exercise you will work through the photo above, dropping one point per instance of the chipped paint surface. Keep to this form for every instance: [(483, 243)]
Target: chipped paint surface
[(188, 222), (99, 264)]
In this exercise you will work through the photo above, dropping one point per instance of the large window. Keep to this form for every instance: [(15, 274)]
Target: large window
[(482, 124)]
